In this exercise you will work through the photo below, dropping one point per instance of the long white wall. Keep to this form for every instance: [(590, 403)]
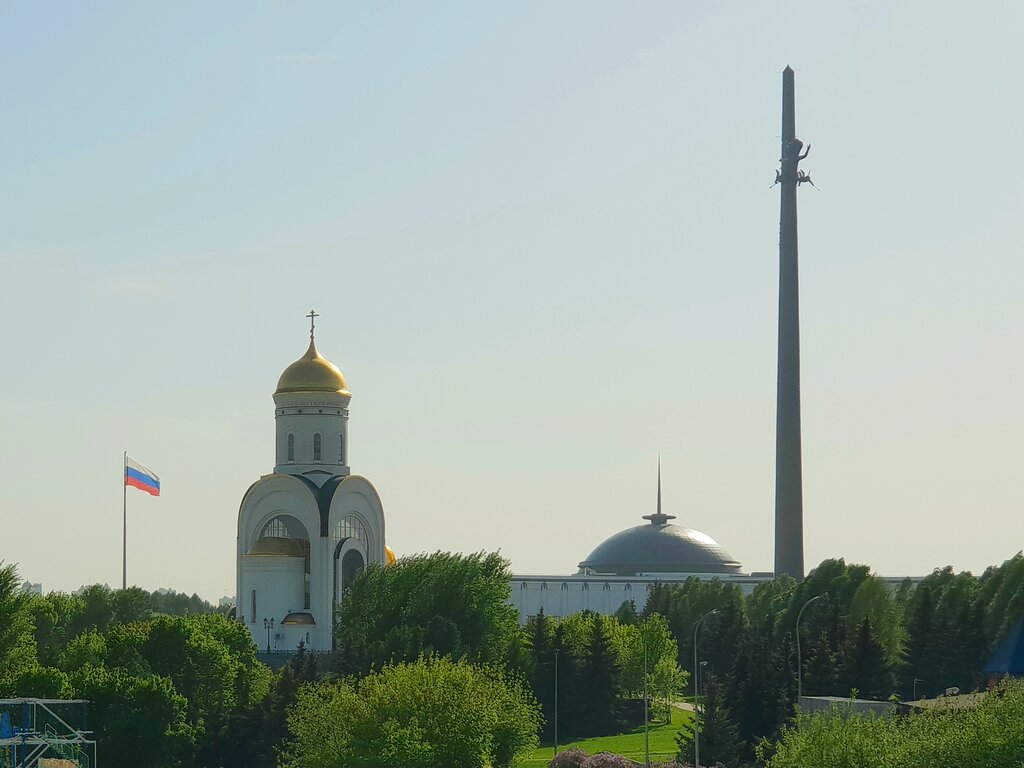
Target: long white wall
[(564, 595)]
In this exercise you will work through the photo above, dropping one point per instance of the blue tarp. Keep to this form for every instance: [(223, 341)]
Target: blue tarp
[(1008, 658)]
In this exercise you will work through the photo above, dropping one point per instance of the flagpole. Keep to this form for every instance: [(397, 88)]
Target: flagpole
[(124, 531)]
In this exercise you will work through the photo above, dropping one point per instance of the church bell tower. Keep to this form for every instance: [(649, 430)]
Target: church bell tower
[(307, 529)]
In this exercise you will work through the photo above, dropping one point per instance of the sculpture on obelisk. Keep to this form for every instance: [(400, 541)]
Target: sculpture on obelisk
[(789, 526)]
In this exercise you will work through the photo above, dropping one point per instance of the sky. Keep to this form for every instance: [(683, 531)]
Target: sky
[(544, 249)]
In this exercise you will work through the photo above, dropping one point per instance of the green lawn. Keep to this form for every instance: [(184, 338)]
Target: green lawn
[(629, 744)]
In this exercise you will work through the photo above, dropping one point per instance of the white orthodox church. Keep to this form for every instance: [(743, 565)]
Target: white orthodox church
[(306, 529)]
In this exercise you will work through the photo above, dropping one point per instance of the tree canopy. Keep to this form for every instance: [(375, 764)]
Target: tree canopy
[(428, 713), (448, 604)]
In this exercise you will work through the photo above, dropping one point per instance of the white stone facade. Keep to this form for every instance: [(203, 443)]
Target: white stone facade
[(565, 595), (305, 530)]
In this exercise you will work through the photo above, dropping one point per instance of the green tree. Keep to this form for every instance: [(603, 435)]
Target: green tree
[(651, 634), (540, 629), (719, 736), (820, 677), (667, 682), (601, 707), (865, 666), (626, 614), (252, 734), (136, 717), (874, 600), (990, 735), (430, 713), (450, 604), (17, 646), (40, 682), (210, 660)]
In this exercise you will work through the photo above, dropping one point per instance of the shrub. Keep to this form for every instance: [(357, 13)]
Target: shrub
[(574, 757)]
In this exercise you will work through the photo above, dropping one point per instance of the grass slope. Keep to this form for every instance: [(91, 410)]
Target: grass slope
[(629, 744)]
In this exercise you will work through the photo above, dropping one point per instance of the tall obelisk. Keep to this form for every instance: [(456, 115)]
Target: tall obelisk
[(789, 524)]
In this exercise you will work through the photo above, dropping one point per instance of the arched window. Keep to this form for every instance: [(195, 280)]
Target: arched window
[(351, 527), (276, 529), (341, 448), (291, 448), (252, 616), (317, 447)]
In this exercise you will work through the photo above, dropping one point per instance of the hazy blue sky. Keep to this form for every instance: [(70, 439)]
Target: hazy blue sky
[(544, 247)]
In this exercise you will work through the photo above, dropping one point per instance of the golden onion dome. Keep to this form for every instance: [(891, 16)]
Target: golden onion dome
[(389, 554), (312, 373)]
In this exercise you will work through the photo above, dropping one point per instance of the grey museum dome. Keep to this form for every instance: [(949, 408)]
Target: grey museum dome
[(659, 547)]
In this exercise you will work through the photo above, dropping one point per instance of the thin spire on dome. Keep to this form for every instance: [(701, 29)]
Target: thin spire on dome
[(312, 323), (659, 483), (658, 518)]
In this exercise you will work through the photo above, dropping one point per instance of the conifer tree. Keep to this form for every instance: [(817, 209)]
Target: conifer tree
[(719, 735), (865, 666)]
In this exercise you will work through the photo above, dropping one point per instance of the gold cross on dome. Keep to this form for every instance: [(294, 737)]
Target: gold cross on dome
[(312, 322)]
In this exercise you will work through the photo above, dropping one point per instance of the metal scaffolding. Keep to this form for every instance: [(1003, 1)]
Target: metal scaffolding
[(46, 733)]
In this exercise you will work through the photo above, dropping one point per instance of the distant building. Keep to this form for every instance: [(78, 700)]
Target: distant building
[(226, 602), (627, 565), (845, 707), (1008, 658), (32, 588)]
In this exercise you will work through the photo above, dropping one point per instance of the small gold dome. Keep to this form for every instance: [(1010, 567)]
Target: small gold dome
[(298, 619), (273, 546), (389, 554), (312, 373)]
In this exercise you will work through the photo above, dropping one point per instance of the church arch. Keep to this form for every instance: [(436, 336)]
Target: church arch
[(281, 525), (351, 547), (281, 535), (351, 564), (356, 497)]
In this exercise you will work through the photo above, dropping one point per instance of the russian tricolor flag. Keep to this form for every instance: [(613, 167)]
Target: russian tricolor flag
[(140, 477)]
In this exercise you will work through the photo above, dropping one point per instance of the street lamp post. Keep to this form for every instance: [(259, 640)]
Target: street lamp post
[(647, 740), (799, 662), (696, 704), (268, 624), (556, 702), (916, 681)]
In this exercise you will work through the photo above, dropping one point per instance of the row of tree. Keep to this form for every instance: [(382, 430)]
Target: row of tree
[(988, 735), (858, 637), (191, 690), (597, 665)]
